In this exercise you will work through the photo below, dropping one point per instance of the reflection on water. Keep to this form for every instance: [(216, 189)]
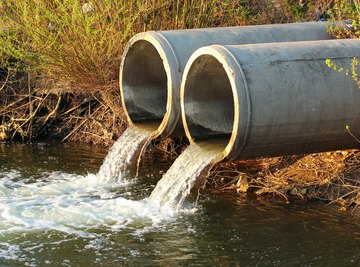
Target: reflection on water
[(32, 159), (225, 230)]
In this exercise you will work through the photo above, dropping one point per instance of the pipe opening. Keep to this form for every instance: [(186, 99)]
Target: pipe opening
[(208, 100), (144, 84)]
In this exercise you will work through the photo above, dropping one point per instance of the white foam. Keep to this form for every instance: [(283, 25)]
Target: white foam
[(9, 251), (72, 206), (75, 204)]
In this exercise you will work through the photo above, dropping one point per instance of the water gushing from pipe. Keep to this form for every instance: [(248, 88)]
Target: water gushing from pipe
[(173, 188), (122, 153)]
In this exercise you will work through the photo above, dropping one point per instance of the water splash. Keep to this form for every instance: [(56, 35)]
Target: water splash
[(72, 205), (68, 202), (75, 204), (171, 191), (112, 173)]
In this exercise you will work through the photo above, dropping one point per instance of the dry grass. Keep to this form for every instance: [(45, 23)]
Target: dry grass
[(28, 114), (332, 177)]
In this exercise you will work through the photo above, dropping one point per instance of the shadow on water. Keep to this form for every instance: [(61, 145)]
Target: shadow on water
[(40, 157), (259, 232)]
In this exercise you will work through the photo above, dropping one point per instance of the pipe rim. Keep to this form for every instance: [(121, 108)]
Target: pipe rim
[(241, 102), (169, 59)]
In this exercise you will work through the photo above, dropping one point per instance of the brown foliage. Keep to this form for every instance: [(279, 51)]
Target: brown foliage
[(332, 177)]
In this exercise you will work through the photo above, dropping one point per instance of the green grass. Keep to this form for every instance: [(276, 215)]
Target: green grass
[(78, 48)]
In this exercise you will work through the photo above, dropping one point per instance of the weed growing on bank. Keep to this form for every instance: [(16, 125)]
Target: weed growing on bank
[(348, 11), (77, 45)]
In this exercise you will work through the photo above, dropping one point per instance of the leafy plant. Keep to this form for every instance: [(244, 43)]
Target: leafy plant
[(348, 10), (352, 71)]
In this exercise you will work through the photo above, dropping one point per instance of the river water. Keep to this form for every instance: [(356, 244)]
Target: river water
[(55, 211)]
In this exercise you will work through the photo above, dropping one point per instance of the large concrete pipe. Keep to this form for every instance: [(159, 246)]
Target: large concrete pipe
[(153, 64), (272, 99)]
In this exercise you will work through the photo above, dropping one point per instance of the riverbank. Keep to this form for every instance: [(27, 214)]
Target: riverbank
[(59, 81), (332, 177), (30, 113), (59, 67)]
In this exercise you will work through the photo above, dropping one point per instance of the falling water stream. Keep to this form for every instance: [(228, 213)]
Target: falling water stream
[(121, 155), (57, 209), (71, 203), (173, 188)]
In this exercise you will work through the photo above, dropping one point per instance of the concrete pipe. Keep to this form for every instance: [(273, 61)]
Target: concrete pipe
[(272, 99), (153, 64)]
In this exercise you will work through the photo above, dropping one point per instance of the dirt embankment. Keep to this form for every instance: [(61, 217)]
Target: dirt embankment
[(30, 113)]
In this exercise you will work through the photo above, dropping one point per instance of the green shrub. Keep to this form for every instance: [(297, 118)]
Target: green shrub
[(77, 45), (346, 10), (65, 42)]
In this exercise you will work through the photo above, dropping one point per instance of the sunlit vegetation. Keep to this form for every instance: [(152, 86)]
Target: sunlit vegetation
[(60, 58), (77, 45), (348, 11)]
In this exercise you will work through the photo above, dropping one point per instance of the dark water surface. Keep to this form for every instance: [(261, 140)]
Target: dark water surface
[(224, 230)]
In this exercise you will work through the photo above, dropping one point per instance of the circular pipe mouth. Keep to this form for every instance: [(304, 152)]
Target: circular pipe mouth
[(209, 99), (145, 75)]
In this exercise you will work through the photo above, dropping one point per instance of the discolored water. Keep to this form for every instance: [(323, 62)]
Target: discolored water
[(173, 188), (54, 211)]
